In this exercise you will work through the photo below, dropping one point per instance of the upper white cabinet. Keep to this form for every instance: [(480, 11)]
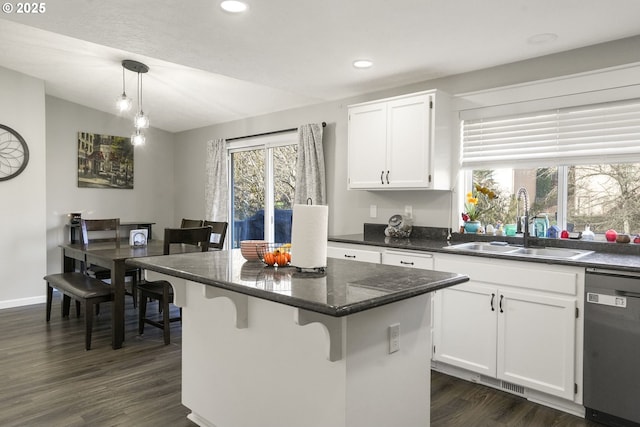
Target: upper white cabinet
[(401, 143)]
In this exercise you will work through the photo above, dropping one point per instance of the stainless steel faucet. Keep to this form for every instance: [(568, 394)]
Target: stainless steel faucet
[(522, 192)]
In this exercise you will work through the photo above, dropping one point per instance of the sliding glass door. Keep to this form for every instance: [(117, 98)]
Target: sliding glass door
[(262, 188)]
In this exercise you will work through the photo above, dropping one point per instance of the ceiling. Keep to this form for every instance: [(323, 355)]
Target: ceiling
[(208, 66)]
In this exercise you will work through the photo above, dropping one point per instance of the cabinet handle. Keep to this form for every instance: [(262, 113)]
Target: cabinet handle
[(387, 177), (381, 175), (406, 263), (349, 256), (501, 296), (493, 296)]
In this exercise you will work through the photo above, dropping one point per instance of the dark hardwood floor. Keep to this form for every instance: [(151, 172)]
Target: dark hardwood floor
[(48, 379)]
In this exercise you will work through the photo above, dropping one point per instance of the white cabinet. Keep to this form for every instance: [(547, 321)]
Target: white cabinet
[(513, 321), (408, 259), (400, 143), (465, 327)]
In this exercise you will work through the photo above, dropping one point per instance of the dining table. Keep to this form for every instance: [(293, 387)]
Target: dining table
[(113, 257)]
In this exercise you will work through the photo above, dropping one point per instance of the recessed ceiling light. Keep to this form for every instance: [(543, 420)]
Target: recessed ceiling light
[(233, 6), (362, 63), (542, 38)]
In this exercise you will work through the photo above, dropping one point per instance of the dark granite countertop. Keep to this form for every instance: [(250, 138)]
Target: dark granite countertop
[(614, 256), (347, 287)]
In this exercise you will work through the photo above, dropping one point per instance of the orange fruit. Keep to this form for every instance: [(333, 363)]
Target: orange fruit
[(269, 258)]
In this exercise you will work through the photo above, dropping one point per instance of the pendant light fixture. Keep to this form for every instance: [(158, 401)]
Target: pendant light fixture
[(141, 120), (124, 102)]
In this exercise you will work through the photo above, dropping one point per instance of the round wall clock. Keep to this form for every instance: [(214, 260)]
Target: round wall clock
[(14, 153)]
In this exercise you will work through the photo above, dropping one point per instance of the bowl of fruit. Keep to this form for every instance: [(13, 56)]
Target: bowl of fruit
[(275, 254)]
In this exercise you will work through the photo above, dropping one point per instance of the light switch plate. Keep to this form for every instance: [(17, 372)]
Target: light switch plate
[(373, 211), (394, 338)]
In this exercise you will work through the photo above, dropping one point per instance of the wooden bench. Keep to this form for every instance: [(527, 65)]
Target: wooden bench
[(80, 287)]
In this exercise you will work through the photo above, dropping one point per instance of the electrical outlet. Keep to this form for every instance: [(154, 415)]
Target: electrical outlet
[(408, 211), (394, 338), (373, 211)]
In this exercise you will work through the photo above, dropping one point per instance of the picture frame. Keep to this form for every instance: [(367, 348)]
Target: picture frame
[(105, 161)]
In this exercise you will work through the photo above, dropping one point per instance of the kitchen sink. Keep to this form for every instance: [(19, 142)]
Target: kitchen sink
[(552, 253), (499, 248), (483, 247)]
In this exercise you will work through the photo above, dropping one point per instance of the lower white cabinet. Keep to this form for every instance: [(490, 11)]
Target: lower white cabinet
[(513, 321)]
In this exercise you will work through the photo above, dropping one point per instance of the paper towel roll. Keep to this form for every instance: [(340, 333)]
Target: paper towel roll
[(309, 236)]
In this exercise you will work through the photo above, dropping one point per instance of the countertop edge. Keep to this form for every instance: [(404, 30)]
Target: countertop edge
[(621, 262), (334, 311)]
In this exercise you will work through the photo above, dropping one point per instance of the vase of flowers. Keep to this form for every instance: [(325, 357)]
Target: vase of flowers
[(471, 216)]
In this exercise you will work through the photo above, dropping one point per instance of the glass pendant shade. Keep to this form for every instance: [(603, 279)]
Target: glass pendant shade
[(124, 103), (137, 138), (141, 121)]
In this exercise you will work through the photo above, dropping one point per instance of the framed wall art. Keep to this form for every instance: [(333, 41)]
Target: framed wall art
[(104, 161)]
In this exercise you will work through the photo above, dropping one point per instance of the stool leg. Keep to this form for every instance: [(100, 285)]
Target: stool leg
[(49, 298), (142, 312), (66, 302), (77, 308), (165, 314), (88, 320), (134, 289)]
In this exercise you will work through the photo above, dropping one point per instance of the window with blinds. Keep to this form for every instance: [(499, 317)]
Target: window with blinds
[(600, 133)]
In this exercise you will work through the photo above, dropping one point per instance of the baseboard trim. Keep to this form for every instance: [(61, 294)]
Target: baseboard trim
[(20, 302)]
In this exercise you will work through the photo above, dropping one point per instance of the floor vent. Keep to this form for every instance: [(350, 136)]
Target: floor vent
[(514, 388)]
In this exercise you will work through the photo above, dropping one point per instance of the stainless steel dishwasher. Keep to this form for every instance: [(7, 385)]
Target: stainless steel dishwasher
[(612, 347)]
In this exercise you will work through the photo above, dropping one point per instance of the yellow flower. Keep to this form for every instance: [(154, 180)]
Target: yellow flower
[(472, 208)]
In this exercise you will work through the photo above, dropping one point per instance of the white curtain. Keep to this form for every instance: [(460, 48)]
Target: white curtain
[(217, 189), (310, 174)]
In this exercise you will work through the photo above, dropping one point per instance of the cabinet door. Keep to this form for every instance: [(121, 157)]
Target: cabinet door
[(536, 341), (367, 146), (465, 335), (408, 148)]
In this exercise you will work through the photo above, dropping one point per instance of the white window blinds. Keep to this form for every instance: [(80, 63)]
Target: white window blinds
[(600, 133)]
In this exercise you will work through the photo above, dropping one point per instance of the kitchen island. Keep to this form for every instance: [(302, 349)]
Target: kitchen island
[(274, 347)]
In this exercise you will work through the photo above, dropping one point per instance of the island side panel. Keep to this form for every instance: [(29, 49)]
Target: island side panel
[(276, 373), (386, 389)]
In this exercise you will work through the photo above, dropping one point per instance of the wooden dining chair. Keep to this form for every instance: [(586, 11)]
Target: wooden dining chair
[(107, 230), (161, 290), (190, 223), (218, 234)]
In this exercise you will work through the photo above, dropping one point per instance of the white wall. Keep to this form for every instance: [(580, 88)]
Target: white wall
[(348, 210), (22, 216), (152, 197)]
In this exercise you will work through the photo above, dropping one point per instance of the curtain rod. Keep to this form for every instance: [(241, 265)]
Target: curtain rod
[(324, 124)]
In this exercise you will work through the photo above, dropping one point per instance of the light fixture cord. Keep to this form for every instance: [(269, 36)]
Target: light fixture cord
[(140, 94), (124, 92)]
